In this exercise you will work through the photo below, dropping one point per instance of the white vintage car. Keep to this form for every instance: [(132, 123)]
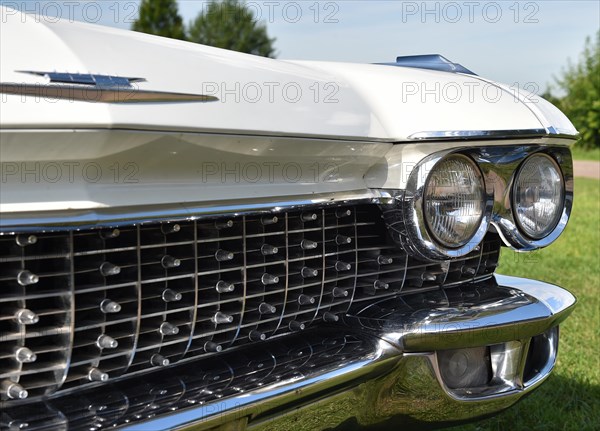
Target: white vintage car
[(193, 238)]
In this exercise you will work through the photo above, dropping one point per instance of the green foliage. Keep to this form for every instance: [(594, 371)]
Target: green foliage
[(160, 17), (570, 399), (231, 25), (581, 83)]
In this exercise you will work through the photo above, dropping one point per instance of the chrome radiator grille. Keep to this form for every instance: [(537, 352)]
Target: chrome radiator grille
[(87, 305)]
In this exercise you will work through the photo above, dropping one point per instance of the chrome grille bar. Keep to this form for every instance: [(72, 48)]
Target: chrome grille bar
[(112, 302)]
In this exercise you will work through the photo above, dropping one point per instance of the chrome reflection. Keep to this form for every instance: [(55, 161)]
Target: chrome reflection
[(226, 381), (489, 312), (499, 164), (338, 375)]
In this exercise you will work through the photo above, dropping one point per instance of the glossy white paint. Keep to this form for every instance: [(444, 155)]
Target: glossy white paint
[(85, 169), (309, 127)]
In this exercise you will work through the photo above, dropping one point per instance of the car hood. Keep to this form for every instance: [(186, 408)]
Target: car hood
[(255, 95)]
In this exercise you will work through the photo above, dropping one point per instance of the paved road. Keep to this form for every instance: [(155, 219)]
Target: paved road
[(587, 169)]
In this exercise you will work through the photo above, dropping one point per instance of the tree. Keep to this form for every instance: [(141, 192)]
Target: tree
[(581, 83), (160, 17), (231, 25)]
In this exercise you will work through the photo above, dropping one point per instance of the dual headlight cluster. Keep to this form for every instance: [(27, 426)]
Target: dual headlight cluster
[(454, 202)]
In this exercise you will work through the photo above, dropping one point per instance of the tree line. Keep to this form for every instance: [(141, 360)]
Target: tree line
[(225, 24)]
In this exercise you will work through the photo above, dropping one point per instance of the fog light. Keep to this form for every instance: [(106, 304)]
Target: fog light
[(538, 196), (465, 368)]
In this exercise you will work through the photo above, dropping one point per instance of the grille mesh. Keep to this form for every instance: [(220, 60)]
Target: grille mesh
[(93, 304)]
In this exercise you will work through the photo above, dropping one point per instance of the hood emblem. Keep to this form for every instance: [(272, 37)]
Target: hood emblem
[(104, 81), (84, 87)]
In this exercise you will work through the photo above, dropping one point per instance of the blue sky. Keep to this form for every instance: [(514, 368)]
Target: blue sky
[(525, 42)]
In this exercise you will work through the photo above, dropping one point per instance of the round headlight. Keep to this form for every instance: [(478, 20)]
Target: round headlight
[(454, 201), (538, 196)]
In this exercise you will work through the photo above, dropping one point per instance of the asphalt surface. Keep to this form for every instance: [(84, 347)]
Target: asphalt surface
[(587, 169)]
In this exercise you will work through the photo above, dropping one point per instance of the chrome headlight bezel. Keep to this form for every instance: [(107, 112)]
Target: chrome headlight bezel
[(420, 238), (514, 200), (506, 221), (504, 169), (499, 164)]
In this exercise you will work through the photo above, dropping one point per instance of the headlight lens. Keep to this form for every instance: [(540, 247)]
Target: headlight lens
[(538, 196), (454, 201)]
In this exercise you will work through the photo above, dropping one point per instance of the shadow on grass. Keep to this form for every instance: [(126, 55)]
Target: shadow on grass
[(561, 403)]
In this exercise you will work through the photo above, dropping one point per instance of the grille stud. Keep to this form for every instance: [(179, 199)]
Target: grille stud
[(341, 213), (307, 244), (13, 390), (268, 250), (378, 284), (25, 355), (308, 217), (342, 240), (167, 328), (159, 360), (265, 221), (305, 299), (170, 262), (170, 228), (223, 256), (110, 307), (338, 292), (257, 335), (106, 342), (296, 326), (221, 318), (224, 287), (211, 346), (330, 317), (267, 279), (169, 295), (342, 266), (224, 224), (110, 233), (25, 240), (107, 269), (309, 272), (26, 317), (95, 375), (27, 278), (265, 308), (384, 260)]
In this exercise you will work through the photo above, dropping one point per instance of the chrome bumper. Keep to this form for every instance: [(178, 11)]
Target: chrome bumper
[(382, 367)]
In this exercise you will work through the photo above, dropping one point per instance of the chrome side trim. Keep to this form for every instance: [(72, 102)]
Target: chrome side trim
[(119, 216), (488, 134), (90, 94)]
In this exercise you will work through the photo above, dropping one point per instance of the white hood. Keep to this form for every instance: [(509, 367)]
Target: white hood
[(257, 96)]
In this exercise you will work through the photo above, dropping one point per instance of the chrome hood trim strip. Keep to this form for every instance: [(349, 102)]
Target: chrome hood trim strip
[(100, 94), (119, 216), (488, 134)]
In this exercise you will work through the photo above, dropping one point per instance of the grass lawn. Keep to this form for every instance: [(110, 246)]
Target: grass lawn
[(579, 154), (570, 398)]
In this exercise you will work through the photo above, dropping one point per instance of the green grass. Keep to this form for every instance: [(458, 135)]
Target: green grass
[(570, 398), (581, 154)]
